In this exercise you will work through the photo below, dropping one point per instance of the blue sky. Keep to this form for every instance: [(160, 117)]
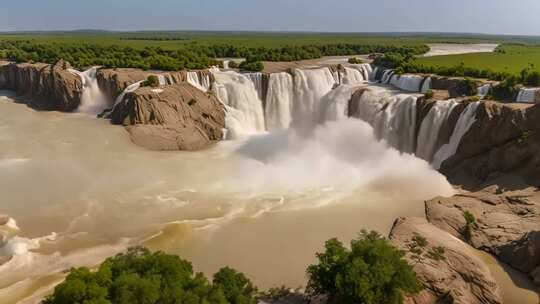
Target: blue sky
[(478, 16)]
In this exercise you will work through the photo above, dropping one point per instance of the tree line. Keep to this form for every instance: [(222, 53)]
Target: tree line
[(191, 56)]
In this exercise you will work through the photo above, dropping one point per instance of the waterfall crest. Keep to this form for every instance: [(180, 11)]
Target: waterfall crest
[(430, 127), (465, 121), (393, 117), (527, 95), (244, 108), (279, 101), (201, 82), (93, 101), (310, 86)]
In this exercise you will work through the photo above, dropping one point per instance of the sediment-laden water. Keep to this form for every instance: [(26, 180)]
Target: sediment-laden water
[(80, 191)]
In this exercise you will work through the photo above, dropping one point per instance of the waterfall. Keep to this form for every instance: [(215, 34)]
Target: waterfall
[(387, 74), (351, 76), (411, 83), (365, 69), (93, 102), (130, 88), (200, 82), (244, 108), (483, 90), (279, 101), (310, 86), (393, 117), (335, 105), (426, 86), (257, 79), (162, 80), (226, 64), (465, 121), (527, 95), (431, 125)]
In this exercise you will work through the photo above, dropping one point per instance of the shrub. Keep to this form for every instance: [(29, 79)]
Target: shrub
[(151, 81), (429, 94), (468, 86), (140, 276), (255, 66), (470, 224), (372, 271), (355, 60)]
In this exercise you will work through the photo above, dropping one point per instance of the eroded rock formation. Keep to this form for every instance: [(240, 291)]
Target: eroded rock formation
[(46, 87), (456, 276), (175, 117), (505, 224), (504, 140)]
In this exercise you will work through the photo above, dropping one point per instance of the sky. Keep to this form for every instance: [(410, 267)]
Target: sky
[(520, 17)]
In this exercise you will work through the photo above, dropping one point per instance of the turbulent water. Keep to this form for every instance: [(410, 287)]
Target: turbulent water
[(93, 102), (88, 192), (300, 167)]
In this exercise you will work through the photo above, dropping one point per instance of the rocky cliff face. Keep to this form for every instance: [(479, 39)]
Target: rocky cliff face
[(505, 224), (505, 140), (175, 117), (456, 276), (47, 87)]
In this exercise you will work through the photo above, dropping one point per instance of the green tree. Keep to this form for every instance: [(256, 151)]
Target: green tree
[(237, 288), (139, 276), (371, 272)]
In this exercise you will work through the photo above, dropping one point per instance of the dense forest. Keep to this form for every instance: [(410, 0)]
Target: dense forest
[(189, 57)]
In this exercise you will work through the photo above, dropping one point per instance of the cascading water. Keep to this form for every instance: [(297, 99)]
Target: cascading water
[(527, 95), (162, 80), (351, 76), (411, 83), (257, 79), (386, 76), (130, 88), (483, 90), (244, 108), (365, 69), (426, 85), (201, 82), (393, 117), (93, 102), (309, 87), (431, 125), (279, 101), (465, 121), (335, 105)]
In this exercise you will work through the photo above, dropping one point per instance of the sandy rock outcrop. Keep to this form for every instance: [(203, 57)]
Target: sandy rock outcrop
[(174, 117), (460, 276), (505, 139), (47, 87), (506, 224)]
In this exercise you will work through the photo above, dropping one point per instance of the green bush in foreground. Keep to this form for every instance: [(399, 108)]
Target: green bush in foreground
[(371, 272), (142, 277)]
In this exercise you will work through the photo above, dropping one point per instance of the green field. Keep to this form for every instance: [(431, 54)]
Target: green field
[(511, 59)]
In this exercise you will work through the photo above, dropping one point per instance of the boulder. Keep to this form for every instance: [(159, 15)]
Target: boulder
[(47, 87), (175, 117), (456, 276), (113, 82), (507, 224)]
